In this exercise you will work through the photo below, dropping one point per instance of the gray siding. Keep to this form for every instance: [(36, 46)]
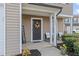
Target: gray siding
[(12, 28)]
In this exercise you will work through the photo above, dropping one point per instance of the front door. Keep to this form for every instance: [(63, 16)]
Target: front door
[(36, 30)]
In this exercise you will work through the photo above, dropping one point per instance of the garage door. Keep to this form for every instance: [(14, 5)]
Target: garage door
[(1, 29)]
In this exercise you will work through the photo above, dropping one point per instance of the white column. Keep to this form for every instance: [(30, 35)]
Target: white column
[(51, 24), (53, 20), (55, 30), (20, 28), (71, 25)]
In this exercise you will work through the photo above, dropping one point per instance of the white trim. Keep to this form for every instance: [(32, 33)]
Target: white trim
[(32, 29), (4, 31), (20, 28), (65, 15)]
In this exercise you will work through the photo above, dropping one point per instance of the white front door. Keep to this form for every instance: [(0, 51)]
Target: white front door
[(36, 29), (1, 29)]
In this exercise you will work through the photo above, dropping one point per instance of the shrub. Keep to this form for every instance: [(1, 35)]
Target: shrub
[(66, 36), (76, 48), (63, 49), (69, 42)]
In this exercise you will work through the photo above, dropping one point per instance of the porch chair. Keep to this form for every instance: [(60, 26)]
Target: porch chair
[(47, 36)]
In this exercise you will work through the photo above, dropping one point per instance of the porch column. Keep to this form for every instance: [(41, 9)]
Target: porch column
[(55, 30), (71, 25), (51, 28)]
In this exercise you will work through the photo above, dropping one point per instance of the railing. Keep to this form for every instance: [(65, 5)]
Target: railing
[(75, 21)]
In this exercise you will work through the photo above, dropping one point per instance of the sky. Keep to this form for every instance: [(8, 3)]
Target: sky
[(76, 9)]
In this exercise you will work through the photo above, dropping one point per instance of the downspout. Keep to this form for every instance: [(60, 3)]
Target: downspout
[(57, 15), (57, 23), (59, 12)]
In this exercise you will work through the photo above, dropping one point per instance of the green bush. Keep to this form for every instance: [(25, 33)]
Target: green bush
[(72, 43), (76, 35), (69, 42), (63, 49), (76, 48), (66, 36)]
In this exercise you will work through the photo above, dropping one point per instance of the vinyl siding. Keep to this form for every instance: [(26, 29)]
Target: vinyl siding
[(12, 28), (60, 25)]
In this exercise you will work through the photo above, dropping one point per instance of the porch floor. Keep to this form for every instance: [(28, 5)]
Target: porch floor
[(44, 47)]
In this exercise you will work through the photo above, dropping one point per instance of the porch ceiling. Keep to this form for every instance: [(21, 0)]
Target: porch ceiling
[(38, 10)]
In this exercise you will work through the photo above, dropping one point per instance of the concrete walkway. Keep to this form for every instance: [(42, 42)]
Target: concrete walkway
[(44, 47)]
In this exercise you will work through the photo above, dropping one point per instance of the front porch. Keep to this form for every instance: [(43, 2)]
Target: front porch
[(44, 47), (49, 24)]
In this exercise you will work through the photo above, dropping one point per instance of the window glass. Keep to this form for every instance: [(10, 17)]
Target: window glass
[(66, 20), (75, 20)]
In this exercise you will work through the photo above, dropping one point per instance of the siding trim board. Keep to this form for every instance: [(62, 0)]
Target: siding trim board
[(20, 28), (2, 29), (5, 30)]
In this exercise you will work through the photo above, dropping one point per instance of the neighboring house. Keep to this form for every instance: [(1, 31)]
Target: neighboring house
[(37, 19), (75, 24)]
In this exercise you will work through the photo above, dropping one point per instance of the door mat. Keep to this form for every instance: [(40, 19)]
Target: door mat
[(35, 52)]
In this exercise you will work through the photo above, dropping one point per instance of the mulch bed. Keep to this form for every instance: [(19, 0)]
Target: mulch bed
[(59, 44), (34, 52)]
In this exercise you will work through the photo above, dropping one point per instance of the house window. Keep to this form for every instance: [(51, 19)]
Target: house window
[(75, 20), (67, 20)]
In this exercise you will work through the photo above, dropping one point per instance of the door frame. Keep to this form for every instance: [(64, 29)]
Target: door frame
[(32, 29)]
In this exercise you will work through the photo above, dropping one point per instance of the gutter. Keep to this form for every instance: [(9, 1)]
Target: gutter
[(51, 6)]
